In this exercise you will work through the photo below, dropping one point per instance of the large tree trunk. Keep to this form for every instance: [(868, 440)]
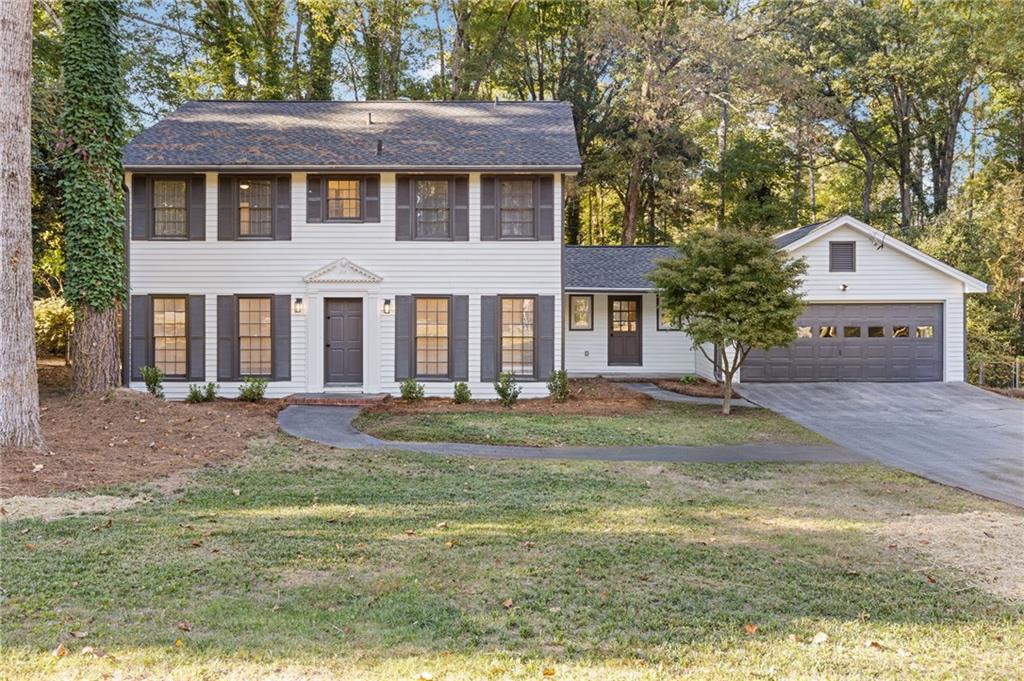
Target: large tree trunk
[(723, 145), (631, 203), (19, 390), (95, 350)]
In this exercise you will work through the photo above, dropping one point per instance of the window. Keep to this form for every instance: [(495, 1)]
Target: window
[(518, 336), (581, 313), (665, 321), (255, 213), (170, 211), (851, 332), (432, 209), (432, 337), (901, 332), (826, 332), (803, 332), (516, 209), (170, 339), (343, 199), (254, 339), (842, 256), (925, 331), (876, 332)]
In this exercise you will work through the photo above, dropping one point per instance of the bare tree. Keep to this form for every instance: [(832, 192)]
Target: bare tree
[(19, 389)]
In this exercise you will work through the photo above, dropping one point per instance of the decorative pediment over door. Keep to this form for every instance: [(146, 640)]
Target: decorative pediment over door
[(342, 271)]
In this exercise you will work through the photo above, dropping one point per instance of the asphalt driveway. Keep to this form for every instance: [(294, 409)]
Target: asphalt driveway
[(951, 433)]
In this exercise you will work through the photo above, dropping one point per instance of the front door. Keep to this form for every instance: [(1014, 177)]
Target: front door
[(343, 339), (624, 330)]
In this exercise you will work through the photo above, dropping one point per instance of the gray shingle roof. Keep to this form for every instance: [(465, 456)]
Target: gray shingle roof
[(311, 134), (612, 267), (786, 238)]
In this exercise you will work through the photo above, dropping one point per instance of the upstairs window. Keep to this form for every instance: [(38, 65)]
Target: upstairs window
[(170, 209), (344, 200), (432, 210), (842, 256), (517, 218), (255, 212)]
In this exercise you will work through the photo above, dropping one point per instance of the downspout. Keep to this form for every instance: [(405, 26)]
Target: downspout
[(126, 302), (561, 273)]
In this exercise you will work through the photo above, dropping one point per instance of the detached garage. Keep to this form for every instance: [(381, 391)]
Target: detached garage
[(877, 310)]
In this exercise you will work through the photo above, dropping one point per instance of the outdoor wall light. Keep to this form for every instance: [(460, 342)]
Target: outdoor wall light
[(387, 306), (243, 185), (843, 287), (299, 307)]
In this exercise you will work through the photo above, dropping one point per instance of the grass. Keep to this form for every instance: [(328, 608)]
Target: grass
[(308, 562), (661, 424)]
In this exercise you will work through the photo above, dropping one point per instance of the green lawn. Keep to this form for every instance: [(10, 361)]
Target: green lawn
[(660, 424), (308, 562)]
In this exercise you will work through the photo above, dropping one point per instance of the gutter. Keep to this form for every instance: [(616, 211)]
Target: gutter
[(345, 167)]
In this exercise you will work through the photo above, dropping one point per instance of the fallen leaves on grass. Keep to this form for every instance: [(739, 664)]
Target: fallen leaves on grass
[(184, 625), (548, 671), (507, 603), (819, 638), (60, 650), (750, 628), (96, 652)]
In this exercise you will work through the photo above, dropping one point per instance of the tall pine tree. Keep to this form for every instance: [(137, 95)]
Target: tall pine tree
[(93, 131)]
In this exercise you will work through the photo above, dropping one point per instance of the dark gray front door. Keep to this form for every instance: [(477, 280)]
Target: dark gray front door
[(343, 338), (625, 344), (856, 342)]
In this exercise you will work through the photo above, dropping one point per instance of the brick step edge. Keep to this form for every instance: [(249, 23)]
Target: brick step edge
[(335, 400)]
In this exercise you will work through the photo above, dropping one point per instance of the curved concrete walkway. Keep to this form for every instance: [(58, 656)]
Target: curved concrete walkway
[(669, 396), (333, 426)]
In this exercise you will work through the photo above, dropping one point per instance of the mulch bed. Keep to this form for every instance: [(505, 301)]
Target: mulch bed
[(700, 388), (1008, 392), (125, 436), (587, 397)]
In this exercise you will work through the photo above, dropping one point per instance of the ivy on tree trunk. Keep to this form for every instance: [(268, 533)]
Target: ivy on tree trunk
[(93, 131)]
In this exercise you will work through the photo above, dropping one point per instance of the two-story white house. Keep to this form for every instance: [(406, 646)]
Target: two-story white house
[(344, 247)]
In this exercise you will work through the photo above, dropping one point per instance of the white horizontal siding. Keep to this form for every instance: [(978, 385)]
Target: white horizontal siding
[(473, 268), (886, 275), (664, 352)]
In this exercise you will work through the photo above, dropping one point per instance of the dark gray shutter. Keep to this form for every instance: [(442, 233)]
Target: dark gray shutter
[(371, 198), (489, 317), (281, 325), (545, 337), (227, 338), (544, 198), (460, 338), (197, 208), (404, 310), (197, 338), (460, 208), (227, 208), (140, 207), (314, 198), (142, 335), (842, 256), (403, 208), (488, 208), (282, 191)]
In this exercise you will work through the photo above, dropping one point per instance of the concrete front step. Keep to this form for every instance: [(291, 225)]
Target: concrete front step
[(336, 399)]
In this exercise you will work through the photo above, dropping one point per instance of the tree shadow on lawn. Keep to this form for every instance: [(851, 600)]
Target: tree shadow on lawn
[(327, 552)]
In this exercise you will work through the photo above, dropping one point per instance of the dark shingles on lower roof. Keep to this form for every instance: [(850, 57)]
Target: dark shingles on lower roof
[(794, 235), (412, 134), (613, 267)]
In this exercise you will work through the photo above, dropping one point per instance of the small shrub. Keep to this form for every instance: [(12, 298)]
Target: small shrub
[(154, 380), (558, 386), (688, 379), (462, 393), (252, 389), (507, 388), (412, 390), (54, 320), (208, 393)]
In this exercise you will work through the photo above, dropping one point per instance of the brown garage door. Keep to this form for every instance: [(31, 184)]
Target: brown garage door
[(869, 342)]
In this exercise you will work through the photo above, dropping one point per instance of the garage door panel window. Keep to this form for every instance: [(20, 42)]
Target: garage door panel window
[(901, 332), (804, 332), (876, 332), (826, 332), (927, 331), (851, 332)]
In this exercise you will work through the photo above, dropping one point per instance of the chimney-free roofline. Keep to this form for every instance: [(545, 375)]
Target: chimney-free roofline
[(377, 167)]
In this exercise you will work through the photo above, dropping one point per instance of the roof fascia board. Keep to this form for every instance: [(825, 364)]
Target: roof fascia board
[(375, 168), (971, 284)]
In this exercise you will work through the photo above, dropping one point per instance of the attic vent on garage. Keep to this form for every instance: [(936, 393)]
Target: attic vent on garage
[(842, 256)]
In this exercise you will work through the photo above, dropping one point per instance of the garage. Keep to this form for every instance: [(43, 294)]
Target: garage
[(857, 342)]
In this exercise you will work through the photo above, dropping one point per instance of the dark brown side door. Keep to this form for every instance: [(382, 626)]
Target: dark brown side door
[(343, 338), (625, 335)]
